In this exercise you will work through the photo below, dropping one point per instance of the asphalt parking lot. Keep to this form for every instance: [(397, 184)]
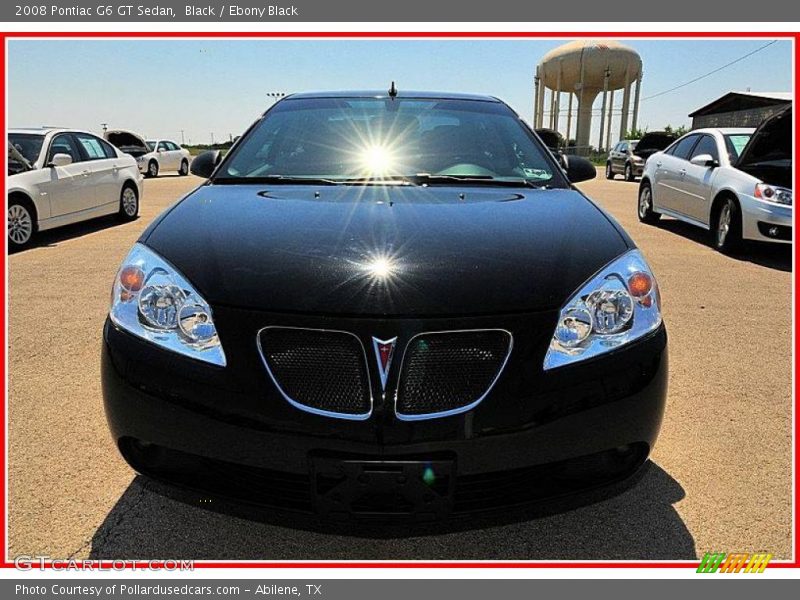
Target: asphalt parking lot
[(720, 477)]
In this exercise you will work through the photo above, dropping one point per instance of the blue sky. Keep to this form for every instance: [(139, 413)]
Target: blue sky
[(161, 87)]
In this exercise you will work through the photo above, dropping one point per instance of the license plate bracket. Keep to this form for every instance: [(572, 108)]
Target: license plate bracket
[(415, 490)]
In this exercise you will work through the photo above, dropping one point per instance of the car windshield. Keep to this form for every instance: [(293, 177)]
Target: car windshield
[(27, 144), (349, 140), (23, 150), (634, 144), (151, 144), (735, 144)]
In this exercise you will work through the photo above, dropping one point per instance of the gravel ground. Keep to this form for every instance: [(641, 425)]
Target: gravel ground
[(720, 478)]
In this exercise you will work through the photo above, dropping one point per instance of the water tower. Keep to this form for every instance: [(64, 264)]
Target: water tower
[(584, 69)]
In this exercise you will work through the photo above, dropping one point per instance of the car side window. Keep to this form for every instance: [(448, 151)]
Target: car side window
[(706, 145), (684, 147), (64, 143), (109, 149), (92, 146), (162, 146), (173, 146)]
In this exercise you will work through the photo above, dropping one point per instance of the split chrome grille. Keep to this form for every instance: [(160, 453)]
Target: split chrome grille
[(450, 372), (320, 371), (442, 373)]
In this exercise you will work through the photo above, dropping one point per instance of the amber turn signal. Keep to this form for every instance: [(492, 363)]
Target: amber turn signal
[(640, 284), (131, 279)]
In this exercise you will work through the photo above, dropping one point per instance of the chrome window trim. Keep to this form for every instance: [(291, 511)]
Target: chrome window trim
[(454, 411), (311, 409)]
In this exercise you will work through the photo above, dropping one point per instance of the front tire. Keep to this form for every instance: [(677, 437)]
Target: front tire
[(128, 203), (609, 171), (21, 224), (184, 170), (629, 176), (152, 169), (727, 229), (646, 213)]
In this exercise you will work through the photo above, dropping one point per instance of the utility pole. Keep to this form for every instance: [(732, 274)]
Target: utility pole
[(275, 96), (183, 141), (105, 127), (212, 138)]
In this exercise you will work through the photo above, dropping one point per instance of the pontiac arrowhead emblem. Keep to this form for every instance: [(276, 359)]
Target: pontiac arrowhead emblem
[(384, 351)]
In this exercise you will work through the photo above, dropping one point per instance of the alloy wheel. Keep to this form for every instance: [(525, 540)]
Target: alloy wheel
[(20, 224), (129, 202), (724, 223), (644, 202)]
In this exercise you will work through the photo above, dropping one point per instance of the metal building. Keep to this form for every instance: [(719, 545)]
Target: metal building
[(740, 109)]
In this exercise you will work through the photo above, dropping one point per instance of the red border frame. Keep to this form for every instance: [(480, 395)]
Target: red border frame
[(795, 563)]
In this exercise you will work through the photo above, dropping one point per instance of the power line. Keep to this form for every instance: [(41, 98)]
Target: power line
[(717, 70)]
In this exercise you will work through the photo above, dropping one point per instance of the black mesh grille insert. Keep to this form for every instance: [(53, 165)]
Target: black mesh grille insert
[(321, 370), (450, 370)]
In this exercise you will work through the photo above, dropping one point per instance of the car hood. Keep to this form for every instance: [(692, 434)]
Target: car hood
[(127, 141), (768, 153), (386, 250)]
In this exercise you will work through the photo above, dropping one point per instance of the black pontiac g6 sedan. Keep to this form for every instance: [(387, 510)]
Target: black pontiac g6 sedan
[(386, 305)]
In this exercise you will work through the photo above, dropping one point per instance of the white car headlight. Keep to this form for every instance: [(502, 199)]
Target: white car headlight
[(773, 193), (153, 301), (619, 304)]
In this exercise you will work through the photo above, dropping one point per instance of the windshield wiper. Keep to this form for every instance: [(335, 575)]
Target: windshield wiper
[(427, 178), (277, 179)]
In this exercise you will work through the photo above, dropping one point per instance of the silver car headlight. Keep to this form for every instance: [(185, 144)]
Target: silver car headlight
[(619, 304), (153, 301), (773, 193)]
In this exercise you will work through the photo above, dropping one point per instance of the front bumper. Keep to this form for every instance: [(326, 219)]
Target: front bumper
[(765, 222), (538, 435)]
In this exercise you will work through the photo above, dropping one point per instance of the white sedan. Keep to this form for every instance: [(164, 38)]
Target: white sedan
[(737, 183), (62, 176), (152, 156)]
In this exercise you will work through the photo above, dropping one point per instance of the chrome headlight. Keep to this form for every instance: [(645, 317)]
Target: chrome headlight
[(153, 301), (773, 193), (619, 304)]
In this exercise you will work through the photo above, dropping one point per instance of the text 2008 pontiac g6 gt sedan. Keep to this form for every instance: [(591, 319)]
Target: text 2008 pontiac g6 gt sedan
[(386, 304)]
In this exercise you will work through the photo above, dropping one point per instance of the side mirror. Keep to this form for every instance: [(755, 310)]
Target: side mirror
[(579, 169), (60, 160), (704, 160), (205, 163)]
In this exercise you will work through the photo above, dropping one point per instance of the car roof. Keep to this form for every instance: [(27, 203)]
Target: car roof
[(385, 94), (46, 130), (724, 130)]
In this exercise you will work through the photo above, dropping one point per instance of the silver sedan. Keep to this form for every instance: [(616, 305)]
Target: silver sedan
[(736, 183)]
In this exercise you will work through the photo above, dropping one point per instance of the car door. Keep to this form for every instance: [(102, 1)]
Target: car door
[(670, 174), (102, 162), (619, 157), (164, 156), (67, 188), (175, 155), (697, 180)]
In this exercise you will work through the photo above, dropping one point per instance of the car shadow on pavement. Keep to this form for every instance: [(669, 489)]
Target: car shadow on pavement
[(152, 521), (765, 254), (53, 237)]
